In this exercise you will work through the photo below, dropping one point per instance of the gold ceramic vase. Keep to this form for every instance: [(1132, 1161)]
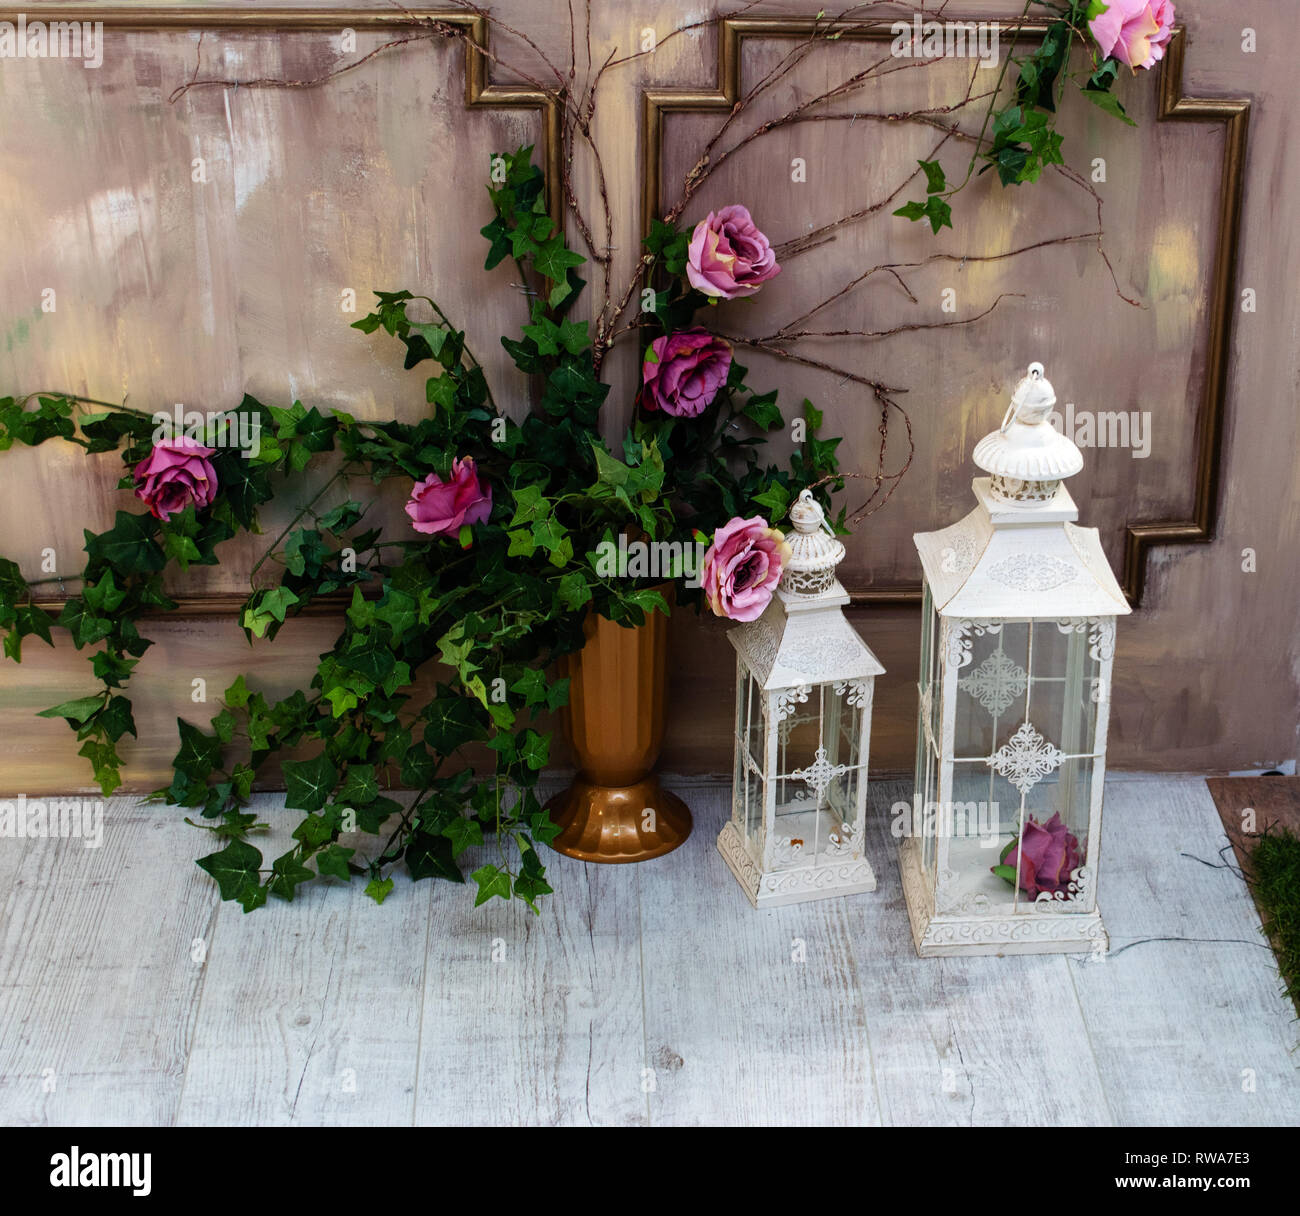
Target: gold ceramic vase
[(615, 810)]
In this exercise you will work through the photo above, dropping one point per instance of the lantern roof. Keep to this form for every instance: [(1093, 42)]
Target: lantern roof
[(1019, 553), (794, 643)]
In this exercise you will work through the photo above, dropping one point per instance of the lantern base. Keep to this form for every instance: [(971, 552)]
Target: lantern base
[(793, 885), (610, 824), (949, 936)]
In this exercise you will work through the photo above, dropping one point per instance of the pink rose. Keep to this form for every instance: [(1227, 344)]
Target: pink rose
[(1047, 855), (742, 567), (728, 256), (441, 507), (1133, 31), (176, 473), (683, 372)]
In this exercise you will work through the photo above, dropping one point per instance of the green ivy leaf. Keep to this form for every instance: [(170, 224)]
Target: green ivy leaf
[(104, 596), (430, 856), (1110, 103), (935, 181), (128, 545), (492, 882), (462, 832), (332, 862), (236, 868), (763, 410), (76, 711), (308, 783), (199, 753), (379, 889), (84, 625), (287, 873), (360, 785)]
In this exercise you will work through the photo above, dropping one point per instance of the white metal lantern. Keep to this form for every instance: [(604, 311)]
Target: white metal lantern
[(1018, 635), (804, 685)]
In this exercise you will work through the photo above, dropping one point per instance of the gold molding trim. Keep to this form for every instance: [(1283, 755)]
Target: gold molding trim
[(479, 94), (1173, 105)]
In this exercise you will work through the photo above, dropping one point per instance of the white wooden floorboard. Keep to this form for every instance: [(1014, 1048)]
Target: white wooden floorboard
[(965, 1041), (1184, 1032), (752, 1017), (536, 1019), (98, 989), (642, 994), (310, 1014)]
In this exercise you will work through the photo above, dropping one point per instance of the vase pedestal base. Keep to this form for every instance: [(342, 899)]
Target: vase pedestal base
[(617, 824)]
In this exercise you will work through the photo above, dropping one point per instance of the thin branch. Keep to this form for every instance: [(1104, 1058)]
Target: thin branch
[(795, 335)]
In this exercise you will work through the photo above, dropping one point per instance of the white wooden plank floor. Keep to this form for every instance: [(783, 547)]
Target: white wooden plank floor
[(647, 994)]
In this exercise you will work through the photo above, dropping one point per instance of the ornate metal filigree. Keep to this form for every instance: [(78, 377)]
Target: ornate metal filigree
[(1101, 634), (1015, 489), (996, 683), (1032, 572), (957, 643), (760, 642), (844, 841), (817, 656), (787, 850), (1078, 889), (1026, 758), (784, 702), (859, 691), (819, 774), (807, 582)]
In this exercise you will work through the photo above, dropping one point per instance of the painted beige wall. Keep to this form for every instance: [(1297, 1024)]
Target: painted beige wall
[(173, 291)]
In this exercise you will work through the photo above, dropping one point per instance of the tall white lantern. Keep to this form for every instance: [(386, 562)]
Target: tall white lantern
[(804, 686), (1018, 633)]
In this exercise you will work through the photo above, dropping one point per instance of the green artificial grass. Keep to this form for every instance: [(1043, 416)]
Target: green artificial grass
[(1275, 875)]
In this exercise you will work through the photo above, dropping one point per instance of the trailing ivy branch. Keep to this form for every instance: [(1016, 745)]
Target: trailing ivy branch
[(494, 607), (1019, 139)]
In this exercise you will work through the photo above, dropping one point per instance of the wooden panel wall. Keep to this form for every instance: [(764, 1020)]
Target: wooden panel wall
[(170, 290)]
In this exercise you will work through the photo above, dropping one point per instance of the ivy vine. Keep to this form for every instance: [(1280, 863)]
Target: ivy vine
[(448, 644)]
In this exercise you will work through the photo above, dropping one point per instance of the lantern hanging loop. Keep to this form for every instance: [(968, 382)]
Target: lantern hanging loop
[(1033, 394)]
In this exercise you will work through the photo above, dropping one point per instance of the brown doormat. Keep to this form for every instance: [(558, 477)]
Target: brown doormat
[(1275, 803)]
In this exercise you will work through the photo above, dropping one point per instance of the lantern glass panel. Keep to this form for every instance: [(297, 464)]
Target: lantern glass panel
[(818, 776), (926, 769), (992, 690), (754, 729), (748, 786), (979, 821), (1024, 735)]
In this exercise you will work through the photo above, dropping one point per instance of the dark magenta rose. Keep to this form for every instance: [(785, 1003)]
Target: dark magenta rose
[(441, 507), (728, 256), (683, 372), (1046, 854), (175, 474)]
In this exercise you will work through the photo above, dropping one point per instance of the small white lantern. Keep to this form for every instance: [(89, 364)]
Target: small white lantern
[(1000, 855), (804, 686)]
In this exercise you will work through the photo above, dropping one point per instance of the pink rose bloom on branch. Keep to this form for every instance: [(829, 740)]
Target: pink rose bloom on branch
[(1133, 31), (175, 474), (728, 257), (440, 507), (742, 567), (1046, 854), (683, 372)]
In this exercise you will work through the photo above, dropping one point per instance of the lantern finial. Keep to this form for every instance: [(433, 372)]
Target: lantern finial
[(814, 551), (1026, 455)]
